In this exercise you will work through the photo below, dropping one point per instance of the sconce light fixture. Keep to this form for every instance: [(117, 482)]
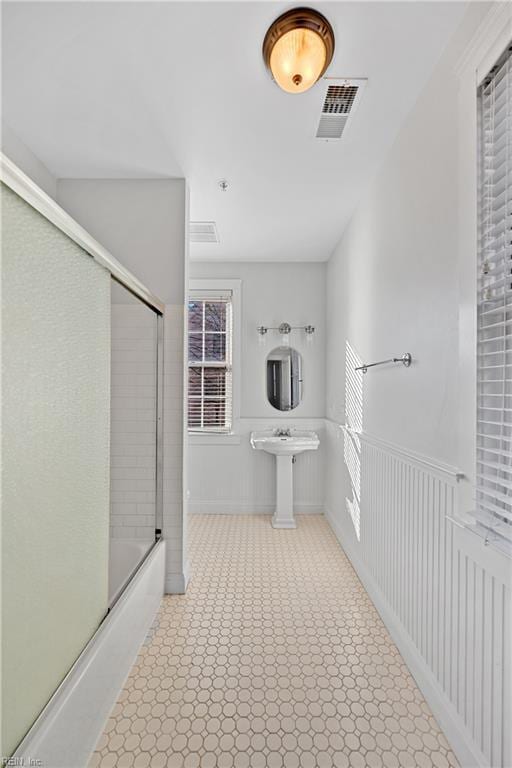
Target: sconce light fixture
[(285, 328)]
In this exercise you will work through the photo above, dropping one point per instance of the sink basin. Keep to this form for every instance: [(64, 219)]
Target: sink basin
[(285, 445), (285, 448)]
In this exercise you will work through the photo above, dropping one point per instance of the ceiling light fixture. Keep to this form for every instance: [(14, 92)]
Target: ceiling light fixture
[(298, 48)]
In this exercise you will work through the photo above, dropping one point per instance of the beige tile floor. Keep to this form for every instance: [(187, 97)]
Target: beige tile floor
[(274, 658)]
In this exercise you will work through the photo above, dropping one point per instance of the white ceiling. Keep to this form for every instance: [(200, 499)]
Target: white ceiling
[(170, 89)]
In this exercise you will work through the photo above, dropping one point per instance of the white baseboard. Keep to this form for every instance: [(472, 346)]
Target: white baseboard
[(243, 508), (177, 583), (452, 725), (66, 732)]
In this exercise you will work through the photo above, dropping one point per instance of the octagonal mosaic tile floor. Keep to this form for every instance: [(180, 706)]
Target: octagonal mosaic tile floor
[(275, 658)]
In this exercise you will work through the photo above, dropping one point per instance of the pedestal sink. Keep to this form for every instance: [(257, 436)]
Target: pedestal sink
[(284, 445)]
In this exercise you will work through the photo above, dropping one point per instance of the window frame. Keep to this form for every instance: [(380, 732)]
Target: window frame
[(492, 487), (490, 40), (197, 436), (198, 399)]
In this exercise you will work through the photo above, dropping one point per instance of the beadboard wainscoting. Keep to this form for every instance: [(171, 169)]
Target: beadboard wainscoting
[(229, 477), (444, 595)]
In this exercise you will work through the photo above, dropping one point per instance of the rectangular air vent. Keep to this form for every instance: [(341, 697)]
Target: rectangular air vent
[(340, 102), (203, 232)]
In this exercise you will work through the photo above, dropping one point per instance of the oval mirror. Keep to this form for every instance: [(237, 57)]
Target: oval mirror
[(284, 378)]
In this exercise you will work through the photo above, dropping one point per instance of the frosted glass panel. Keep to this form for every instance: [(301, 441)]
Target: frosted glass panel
[(55, 446)]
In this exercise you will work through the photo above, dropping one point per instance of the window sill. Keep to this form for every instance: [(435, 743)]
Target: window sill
[(197, 438)]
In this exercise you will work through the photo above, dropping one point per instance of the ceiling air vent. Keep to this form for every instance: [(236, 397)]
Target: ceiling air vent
[(341, 100), (203, 232)]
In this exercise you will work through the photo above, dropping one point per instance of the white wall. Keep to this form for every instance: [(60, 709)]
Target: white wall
[(140, 221), (392, 287), (226, 475), (143, 224), (273, 293)]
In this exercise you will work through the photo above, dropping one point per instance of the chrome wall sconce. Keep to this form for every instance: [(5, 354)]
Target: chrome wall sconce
[(285, 329)]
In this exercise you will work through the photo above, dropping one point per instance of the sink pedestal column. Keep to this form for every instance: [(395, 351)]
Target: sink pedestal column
[(283, 516)]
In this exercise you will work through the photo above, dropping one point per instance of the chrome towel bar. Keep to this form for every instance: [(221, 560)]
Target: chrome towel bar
[(406, 360)]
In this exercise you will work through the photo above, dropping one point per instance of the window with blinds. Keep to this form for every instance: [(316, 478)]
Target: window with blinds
[(210, 362), (494, 336)]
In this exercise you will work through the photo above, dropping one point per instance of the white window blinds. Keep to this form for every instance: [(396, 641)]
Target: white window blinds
[(210, 341), (494, 337)]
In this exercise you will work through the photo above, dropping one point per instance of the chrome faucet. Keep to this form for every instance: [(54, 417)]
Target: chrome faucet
[(280, 432)]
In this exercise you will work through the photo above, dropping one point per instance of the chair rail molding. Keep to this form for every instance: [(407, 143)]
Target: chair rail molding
[(410, 456)]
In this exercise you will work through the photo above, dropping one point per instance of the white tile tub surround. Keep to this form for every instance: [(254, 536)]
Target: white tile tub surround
[(133, 434), (133, 422)]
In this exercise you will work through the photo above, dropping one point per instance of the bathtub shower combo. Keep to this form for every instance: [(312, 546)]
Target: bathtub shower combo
[(83, 559)]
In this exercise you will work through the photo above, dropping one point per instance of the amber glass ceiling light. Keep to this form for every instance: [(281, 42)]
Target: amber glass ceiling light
[(298, 48)]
